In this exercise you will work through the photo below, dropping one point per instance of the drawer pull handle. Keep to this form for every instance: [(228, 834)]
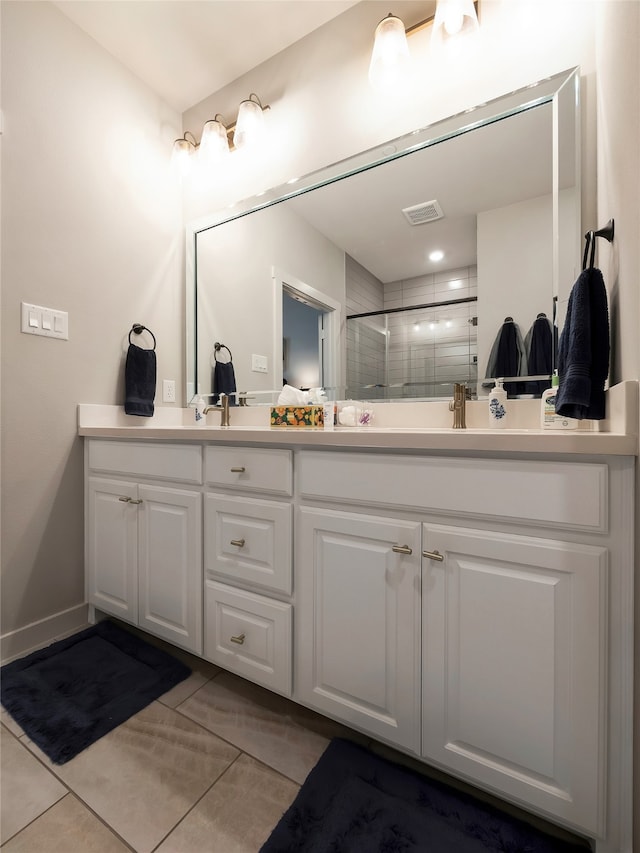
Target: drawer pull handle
[(239, 469), (433, 555), (135, 501), (402, 549), (239, 639), (125, 500), (239, 543)]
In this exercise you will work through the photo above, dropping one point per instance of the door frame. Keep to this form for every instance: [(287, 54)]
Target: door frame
[(331, 365)]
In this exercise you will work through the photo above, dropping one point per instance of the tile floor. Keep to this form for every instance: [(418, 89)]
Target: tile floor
[(210, 766)]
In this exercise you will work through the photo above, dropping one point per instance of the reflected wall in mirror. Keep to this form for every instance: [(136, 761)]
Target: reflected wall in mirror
[(496, 189)]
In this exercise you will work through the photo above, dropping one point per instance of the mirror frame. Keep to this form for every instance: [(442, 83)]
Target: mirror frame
[(548, 90)]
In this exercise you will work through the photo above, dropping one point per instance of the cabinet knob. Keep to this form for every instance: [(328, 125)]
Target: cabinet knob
[(401, 549), (239, 543), (135, 501), (239, 639), (125, 500), (238, 469), (433, 555)]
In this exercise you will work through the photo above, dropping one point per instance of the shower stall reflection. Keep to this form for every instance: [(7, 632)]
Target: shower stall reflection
[(415, 353)]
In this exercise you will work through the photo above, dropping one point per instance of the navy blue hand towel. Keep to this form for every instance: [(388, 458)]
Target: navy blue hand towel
[(538, 345), (140, 381), (583, 351), (224, 381)]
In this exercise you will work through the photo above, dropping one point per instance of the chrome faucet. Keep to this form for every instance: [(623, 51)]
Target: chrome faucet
[(223, 408), (458, 405)]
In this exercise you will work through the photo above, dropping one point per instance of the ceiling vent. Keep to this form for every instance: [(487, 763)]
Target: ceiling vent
[(428, 211)]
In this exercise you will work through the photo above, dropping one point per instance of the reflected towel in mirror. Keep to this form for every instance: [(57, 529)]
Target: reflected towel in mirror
[(224, 382)]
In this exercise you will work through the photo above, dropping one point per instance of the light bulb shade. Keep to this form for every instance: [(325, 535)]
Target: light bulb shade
[(249, 128), (390, 56), (181, 156), (452, 18), (214, 144)]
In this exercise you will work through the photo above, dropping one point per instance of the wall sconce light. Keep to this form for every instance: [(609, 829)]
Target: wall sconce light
[(249, 128), (219, 140), (390, 56), (454, 17)]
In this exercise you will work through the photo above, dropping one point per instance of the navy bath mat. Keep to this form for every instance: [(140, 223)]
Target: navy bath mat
[(70, 694), (355, 802)]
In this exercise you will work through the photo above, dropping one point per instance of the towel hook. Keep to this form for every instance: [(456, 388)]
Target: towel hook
[(138, 328), (216, 349)]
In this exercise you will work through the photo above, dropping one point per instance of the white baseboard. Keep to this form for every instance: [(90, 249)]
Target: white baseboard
[(37, 635)]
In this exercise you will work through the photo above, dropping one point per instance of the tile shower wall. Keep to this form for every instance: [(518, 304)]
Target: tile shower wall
[(431, 348), (366, 338), (412, 353)]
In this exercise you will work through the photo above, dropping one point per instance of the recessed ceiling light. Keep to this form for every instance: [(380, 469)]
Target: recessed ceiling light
[(438, 255)]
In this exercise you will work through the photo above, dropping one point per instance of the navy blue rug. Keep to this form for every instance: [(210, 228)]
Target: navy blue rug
[(70, 694), (355, 802)]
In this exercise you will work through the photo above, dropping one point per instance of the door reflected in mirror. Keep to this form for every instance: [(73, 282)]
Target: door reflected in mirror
[(496, 190)]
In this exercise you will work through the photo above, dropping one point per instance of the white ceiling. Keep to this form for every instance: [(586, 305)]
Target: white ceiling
[(187, 49)]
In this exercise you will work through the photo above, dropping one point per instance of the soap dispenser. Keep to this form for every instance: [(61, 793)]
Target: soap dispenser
[(498, 406), (198, 405)]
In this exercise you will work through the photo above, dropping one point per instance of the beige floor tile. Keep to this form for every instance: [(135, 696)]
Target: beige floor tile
[(145, 775), (271, 728), (201, 672), (26, 787), (68, 827), (7, 720), (238, 814)]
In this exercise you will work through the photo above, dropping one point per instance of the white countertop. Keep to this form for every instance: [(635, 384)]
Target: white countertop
[(398, 426)]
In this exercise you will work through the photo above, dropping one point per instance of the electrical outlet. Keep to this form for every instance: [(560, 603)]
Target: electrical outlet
[(168, 391)]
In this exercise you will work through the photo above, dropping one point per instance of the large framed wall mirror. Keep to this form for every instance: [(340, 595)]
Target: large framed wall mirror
[(329, 281)]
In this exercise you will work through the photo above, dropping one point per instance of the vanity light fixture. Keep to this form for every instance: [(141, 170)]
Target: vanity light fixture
[(218, 139), (390, 56), (249, 128), (454, 17), (214, 143), (183, 149)]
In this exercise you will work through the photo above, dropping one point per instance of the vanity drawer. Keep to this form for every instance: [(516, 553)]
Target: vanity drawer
[(181, 463), (249, 540), (249, 634), (253, 468), (554, 494)]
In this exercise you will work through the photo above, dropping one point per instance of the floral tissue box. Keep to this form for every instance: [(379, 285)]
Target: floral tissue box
[(296, 416)]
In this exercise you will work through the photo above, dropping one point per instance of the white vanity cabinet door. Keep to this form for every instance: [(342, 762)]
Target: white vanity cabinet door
[(357, 625), (112, 547), (170, 565), (144, 557), (514, 644)]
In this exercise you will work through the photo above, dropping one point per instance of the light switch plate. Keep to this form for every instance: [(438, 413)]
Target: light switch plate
[(259, 363), (48, 322)]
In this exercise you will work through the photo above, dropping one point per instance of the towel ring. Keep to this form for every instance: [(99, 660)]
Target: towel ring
[(138, 328), (216, 349), (607, 232)]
